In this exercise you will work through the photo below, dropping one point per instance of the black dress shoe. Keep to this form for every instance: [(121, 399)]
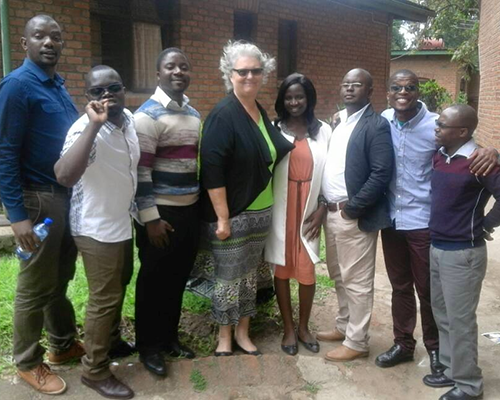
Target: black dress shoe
[(438, 380), (458, 394), (122, 349), (154, 363), (394, 356), (110, 387), (176, 349), (436, 366), (311, 346), (250, 353)]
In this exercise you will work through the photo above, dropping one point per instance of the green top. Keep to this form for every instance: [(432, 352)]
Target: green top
[(265, 198)]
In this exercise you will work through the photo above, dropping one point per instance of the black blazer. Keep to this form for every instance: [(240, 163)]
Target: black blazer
[(235, 155), (368, 172)]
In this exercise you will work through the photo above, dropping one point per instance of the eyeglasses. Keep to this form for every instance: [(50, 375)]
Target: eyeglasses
[(440, 125), (99, 91), (354, 85), (407, 88), (245, 71)]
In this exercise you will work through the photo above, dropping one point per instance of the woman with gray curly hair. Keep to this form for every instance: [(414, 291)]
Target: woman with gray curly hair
[(239, 151)]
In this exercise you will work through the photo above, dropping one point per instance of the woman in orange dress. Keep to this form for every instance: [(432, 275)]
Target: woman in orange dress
[(293, 244)]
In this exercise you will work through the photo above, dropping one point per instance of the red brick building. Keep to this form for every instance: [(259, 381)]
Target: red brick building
[(488, 131), (320, 38)]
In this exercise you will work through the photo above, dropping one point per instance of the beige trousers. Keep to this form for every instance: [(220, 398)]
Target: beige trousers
[(350, 257)]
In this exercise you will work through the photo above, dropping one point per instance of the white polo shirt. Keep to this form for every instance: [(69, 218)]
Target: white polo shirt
[(103, 198), (333, 187)]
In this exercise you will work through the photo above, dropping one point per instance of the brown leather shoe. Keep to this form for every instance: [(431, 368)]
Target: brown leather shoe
[(330, 336), (110, 387), (343, 353), (75, 352), (41, 378)]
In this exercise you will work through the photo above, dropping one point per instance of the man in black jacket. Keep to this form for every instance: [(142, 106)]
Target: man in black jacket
[(357, 174)]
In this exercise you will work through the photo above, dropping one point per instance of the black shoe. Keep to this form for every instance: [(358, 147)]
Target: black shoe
[(250, 353), (290, 349), (458, 394), (394, 356), (154, 363), (438, 380), (223, 353), (122, 349), (312, 346), (436, 366), (110, 387), (175, 349)]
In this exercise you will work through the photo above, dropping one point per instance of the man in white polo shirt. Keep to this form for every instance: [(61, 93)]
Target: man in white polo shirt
[(99, 160), (357, 173)]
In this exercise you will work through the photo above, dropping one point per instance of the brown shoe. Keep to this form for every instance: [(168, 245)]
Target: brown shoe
[(330, 336), (75, 352), (110, 387), (343, 353), (43, 380)]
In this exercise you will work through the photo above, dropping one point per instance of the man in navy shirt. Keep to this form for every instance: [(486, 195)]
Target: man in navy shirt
[(36, 111)]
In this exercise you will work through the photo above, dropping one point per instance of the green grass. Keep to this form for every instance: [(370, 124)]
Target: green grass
[(312, 387), (198, 380)]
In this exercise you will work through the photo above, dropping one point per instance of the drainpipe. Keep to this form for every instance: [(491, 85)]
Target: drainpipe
[(4, 20)]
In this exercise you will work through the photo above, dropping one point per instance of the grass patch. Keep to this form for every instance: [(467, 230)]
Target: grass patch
[(312, 387), (198, 380)]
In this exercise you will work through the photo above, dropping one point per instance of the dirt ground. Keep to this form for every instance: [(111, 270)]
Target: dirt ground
[(306, 376)]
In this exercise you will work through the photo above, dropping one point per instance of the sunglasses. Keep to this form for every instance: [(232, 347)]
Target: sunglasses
[(407, 88), (97, 92), (440, 125), (354, 85), (244, 71)]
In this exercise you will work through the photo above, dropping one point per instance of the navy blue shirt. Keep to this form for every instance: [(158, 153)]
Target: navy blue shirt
[(36, 112)]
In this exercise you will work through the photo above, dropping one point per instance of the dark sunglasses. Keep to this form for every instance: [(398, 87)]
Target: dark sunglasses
[(244, 71), (97, 92), (407, 88), (440, 125)]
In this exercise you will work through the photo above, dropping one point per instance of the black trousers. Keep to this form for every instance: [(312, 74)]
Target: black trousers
[(162, 278)]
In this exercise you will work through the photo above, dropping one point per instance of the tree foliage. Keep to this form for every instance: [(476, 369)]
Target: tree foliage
[(398, 40), (457, 23)]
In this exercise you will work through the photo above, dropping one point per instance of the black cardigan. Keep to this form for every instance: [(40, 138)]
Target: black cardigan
[(235, 155)]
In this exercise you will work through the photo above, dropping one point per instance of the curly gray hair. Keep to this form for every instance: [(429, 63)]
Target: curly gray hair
[(234, 50)]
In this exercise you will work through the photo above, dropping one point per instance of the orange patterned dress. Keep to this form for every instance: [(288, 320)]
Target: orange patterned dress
[(298, 263)]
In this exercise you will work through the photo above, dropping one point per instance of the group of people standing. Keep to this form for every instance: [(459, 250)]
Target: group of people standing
[(230, 205)]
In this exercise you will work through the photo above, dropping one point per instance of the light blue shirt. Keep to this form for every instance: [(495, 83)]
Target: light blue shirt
[(410, 188)]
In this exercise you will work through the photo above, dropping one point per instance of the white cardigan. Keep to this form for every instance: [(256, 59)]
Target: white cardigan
[(275, 245)]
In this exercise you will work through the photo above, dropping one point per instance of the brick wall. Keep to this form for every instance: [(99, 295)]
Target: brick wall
[(332, 39), (488, 131), (437, 67), (74, 18)]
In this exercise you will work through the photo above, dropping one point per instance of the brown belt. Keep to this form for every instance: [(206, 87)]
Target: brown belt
[(336, 206)]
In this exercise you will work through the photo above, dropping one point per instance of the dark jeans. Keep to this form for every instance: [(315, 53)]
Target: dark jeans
[(406, 256), (42, 282), (162, 278)]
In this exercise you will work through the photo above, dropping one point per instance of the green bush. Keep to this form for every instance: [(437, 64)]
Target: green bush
[(435, 97)]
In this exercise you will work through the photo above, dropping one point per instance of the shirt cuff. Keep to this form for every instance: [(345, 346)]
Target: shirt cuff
[(17, 214), (149, 214)]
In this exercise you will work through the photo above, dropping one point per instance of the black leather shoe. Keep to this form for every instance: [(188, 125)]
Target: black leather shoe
[(110, 387), (154, 363), (312, 346), (394, 356), (122, 349), (250, 353), (290, 349), (458, 394), (436, 366), (176, 349), (438, 380)]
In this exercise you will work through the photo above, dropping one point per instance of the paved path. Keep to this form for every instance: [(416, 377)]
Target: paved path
[(306, 376)]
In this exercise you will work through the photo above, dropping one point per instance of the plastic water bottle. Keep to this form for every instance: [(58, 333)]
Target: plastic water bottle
[(42, 231)]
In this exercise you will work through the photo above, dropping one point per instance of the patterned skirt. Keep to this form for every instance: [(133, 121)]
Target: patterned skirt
[(230, 271)]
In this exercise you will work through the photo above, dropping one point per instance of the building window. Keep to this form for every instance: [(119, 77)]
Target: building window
[(287, 48), (244, 25)]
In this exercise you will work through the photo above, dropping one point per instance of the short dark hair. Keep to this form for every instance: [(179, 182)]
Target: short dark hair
[(98, 68), (167, 51), (402, 72), (313, 124), (467, 116), (43, 17)]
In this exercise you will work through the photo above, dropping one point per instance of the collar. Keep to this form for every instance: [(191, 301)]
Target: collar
[(127, 120), (465, 150), (40, 73), (165, 100), (357, 115), (412, 122)]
